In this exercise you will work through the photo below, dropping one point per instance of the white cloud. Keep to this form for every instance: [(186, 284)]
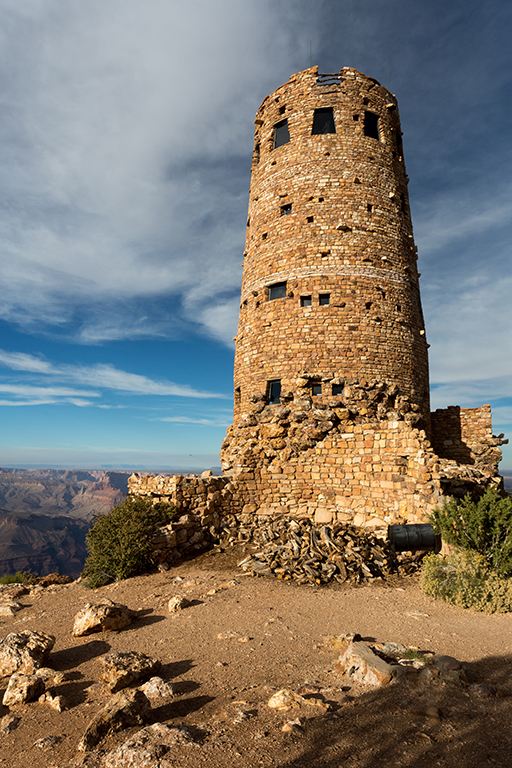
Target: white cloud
[(100, 376), (121, 124), (188, 420), (25, 389)]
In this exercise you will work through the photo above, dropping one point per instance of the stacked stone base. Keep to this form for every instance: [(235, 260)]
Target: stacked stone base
[(330, 465)]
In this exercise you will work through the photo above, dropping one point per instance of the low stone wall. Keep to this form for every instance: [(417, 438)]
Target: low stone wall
[(204, 504), (465, 435), (330, 465)]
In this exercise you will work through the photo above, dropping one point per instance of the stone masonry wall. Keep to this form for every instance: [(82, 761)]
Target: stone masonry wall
[(331, 414), (204, 504), (464, 435), (329, 217)]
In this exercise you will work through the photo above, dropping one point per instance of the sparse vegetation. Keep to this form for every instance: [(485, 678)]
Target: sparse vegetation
[(484, 526), (119, 542), (465, 579), (20, 577)]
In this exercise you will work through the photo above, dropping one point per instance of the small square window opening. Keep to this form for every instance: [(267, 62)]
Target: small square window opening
[(323, 121), (274, 391), (324, 299), (305, 301), (309, 219), (281, 134), (371, 125), (286, 209), (337, 390), (316, 389), (277, 291)]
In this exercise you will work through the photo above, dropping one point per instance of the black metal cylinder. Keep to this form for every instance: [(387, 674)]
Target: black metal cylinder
[(409, 538)]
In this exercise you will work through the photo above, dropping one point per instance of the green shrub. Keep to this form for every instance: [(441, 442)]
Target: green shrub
[(484, 526), (20, 577), (119, 542), (466, 579)]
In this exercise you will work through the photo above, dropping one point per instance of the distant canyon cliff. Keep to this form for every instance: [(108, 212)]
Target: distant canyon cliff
[(45, 514)]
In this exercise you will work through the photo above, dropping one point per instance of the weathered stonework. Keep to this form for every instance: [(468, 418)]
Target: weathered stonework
[(329, 215), (331, 414)]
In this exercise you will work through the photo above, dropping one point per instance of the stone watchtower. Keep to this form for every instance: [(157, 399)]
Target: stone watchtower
[(331, 415), (330, 286), (331, 387)]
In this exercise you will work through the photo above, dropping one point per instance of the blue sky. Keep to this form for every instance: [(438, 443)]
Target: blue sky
[(126, 129)]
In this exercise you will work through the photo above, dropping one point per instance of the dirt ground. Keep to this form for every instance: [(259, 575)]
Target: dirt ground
[(242, 639)]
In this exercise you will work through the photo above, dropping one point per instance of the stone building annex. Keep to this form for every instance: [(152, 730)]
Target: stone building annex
[(331, 415)]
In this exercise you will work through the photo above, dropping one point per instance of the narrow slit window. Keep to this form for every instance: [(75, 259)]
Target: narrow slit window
[(274, 391), (238, 395), (281, 134), (286, 209), (324, 299), (316, 389), (371, 125), (305, 301), (337, 390), (323, 121), (277, 291)]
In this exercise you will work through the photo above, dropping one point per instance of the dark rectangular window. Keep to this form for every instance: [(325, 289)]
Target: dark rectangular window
[(323, 121), (281, 134), (274, 391), (316, 389), (324, 299), (305, 301), (277, 291), (371, 125), (286, 209), (337, 390)]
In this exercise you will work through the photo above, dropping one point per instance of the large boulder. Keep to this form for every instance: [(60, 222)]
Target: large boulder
[(22, 688), (122, 669), (24, 652), (124, 710), (148, 746), (102, 618)]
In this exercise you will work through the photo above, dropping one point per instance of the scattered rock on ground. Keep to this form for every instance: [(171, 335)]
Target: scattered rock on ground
[(58, 703), (156, 688), (102, 618), (361, 663), (122, 669), (24, 651), (22, 688), (8, 723), (9, 608), (146, 747), (50, 676), (177, 603), (124, 710), (12, 591)]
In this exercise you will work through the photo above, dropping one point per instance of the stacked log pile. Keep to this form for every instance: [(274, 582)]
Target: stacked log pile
[(299, 550)]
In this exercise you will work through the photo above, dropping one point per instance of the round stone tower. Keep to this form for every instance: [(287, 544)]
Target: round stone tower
[(330, 295)]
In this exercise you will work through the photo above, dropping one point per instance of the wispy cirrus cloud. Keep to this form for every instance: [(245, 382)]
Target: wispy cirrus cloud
[(219, 422), (100, 376), (126, 131)]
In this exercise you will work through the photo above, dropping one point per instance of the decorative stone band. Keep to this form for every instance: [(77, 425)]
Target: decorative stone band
[(305, 272)]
